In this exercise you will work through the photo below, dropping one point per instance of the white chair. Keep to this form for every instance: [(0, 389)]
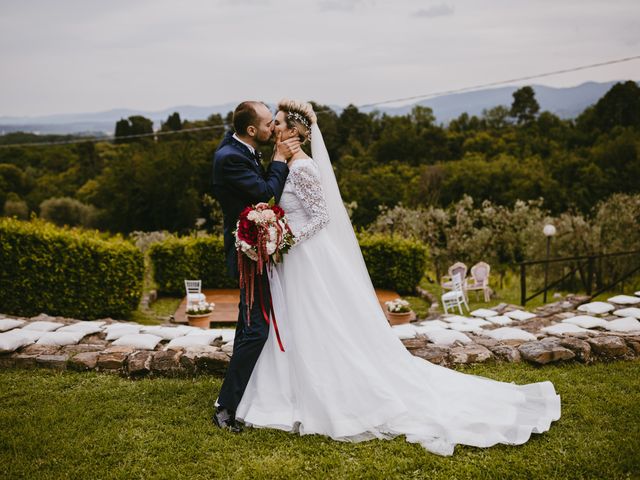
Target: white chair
[(446, 281), (455, 298), (480, 279), (194, 292)]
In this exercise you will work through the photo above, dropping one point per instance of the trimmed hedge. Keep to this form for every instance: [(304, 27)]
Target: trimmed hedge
[(67, 272), (177, 259), (394, 263)]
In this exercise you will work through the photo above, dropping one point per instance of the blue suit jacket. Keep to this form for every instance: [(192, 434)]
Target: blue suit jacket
[(239, 181)]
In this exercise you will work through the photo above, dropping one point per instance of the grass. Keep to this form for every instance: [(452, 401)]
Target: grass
[(158, 311), (70, 425)]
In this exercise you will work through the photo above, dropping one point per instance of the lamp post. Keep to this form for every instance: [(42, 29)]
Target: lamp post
[(549, 231)]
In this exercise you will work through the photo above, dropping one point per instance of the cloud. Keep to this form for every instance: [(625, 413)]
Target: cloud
[(442, 10), (341, 5)]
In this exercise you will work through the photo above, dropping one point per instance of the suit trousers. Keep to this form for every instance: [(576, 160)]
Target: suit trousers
[(249, 339)]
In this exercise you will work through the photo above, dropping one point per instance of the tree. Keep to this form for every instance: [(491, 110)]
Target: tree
[(619, 107), (525, 106), (134, 125), (173, 123)]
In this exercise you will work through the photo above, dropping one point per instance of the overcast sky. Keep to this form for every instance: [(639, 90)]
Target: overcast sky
[(63, 56)]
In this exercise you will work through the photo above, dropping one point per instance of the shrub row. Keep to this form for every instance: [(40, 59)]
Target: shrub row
[(67, 272), (177, 259), (393, 263)]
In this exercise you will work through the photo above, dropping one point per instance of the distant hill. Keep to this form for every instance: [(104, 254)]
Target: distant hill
[(566, 102)]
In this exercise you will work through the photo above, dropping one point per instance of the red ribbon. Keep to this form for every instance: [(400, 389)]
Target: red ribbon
[(272, 313)]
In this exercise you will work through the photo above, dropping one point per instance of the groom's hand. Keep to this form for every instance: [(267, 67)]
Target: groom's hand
[(286, 149)]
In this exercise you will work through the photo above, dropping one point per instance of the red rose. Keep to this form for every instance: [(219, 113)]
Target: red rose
[(278, 211)]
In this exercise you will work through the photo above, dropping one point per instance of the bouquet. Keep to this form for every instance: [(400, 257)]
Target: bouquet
[(262, 236)]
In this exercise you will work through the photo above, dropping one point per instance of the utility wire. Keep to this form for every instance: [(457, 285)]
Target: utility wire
[(367, 105)]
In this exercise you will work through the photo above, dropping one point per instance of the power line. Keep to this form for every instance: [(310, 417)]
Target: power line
[(502, 82), (373, 104)]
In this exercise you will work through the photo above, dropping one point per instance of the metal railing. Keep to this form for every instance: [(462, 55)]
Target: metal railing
[(589, 269)]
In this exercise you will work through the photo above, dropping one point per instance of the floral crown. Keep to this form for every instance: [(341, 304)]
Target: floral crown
[(300, 118)]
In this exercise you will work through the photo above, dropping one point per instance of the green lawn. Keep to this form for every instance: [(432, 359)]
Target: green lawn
[(71, 425)]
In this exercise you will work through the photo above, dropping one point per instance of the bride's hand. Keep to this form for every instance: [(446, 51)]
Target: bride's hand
[(285, 149)]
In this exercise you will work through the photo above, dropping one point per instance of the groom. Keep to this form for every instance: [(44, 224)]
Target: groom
[(240, 180)]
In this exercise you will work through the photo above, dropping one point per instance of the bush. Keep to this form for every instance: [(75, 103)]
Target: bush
[(16, 208), (66, 272), (177, 259), (68, 211), (394, 263)]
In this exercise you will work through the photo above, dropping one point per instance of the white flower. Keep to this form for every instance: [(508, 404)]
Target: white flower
[(397, 305), (271, 247), (268, 216), (253, 216)]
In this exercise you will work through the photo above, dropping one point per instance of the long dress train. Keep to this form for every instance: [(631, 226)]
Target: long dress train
[(344, 372)]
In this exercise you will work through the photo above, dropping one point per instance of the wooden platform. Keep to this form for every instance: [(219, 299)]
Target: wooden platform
[(226, 311)]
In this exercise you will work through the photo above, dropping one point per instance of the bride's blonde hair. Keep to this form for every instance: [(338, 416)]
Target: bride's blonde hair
[(298, 115)]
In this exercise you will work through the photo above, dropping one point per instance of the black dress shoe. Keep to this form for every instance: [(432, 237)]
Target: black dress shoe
[(223, 418)]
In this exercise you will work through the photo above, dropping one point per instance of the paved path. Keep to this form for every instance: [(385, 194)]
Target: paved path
[(226, 301)]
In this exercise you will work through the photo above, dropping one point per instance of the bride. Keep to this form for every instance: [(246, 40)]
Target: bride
[(344, 373)]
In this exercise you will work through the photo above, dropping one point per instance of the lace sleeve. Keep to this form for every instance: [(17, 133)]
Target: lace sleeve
[(307, 186)]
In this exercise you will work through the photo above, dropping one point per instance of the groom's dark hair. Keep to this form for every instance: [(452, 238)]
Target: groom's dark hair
[(244, 115)]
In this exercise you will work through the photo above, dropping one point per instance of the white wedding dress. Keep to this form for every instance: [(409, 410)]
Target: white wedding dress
[(344, 373)]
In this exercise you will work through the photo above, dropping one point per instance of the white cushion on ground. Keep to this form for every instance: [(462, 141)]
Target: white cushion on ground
[(187, 329), (144, 341), (166, 333), (455, 319), (477, 322), (9, 323), (424, 329), (596, 308), (447, 337), (628, 324), (434, 323), (60, 338), (624, 300), (484, 313), (520, 315), (13, 340), (116, 331), (509, 333), (88, 328), (404, 331), (464, 327), (500, 320), (227, 334), (43, 326), (585, 321), (189, 341), (623, 312), (31, 335), (562, 328)]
